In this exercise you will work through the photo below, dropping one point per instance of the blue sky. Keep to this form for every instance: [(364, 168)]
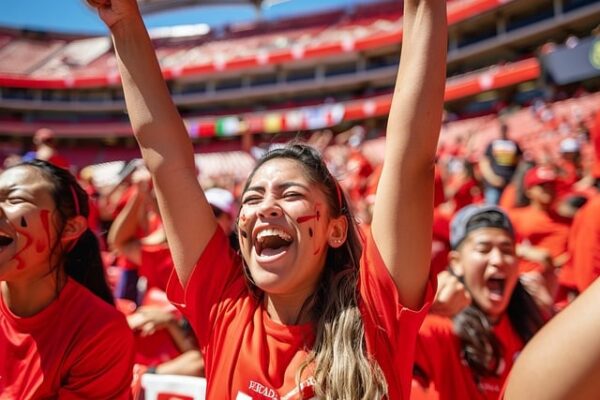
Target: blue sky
[(75, 16)]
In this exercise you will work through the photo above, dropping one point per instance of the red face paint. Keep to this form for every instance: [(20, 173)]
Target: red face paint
[(316, 215), (306, 218), (45, 219), (28, 241)]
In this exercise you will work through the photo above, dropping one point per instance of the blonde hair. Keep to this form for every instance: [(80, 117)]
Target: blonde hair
[(343, 369)]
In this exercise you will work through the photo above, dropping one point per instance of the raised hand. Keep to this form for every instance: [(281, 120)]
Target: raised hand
[(451, 297), (114, 11)]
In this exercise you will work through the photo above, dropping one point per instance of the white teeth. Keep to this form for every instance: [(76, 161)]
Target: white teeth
[(273, 232)]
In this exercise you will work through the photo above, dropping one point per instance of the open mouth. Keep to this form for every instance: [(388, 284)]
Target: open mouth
[(5, 240), (496, 286), (271, 242)]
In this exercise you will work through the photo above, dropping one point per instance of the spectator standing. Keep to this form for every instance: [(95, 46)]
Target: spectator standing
[(45, 149), (498, 165)]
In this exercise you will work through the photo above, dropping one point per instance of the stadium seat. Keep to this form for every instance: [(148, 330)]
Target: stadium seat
[(173, 387)]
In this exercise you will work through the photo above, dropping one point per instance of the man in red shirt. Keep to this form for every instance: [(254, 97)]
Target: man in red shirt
[(470, 355)]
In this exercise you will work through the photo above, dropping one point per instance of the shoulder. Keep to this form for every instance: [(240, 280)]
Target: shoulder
[(92, 312), (438, 326)]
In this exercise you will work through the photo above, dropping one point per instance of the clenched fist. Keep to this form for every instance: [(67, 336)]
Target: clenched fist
[(114, 11)]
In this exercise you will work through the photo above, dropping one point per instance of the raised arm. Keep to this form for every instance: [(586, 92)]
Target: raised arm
[(562, 361), (121, 235), (402, 216), (162, 137)]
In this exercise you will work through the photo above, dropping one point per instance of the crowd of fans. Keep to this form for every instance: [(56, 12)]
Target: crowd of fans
[(323, 292), (551, 201)]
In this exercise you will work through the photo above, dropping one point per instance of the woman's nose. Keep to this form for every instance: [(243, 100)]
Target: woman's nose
[(496, 257), (269, 209)]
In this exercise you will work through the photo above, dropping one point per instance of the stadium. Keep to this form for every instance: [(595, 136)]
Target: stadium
[(326, 77), (330, 70)]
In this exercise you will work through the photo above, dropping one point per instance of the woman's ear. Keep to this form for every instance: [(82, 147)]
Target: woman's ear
[(455, 264), (338, 230), (74, 228)]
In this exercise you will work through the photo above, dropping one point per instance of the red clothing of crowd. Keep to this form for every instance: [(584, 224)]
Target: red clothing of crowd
[(78, 347), (539, 228), (447, 375), (584, 246), (262, 357)]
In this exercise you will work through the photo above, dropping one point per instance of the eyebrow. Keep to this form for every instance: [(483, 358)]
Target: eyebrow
[(8, 189), (279, 187), (491, 242)]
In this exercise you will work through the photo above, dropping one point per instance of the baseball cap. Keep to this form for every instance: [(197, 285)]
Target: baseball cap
[(467, 220), (221, 198), (538, 176), (569, 145)]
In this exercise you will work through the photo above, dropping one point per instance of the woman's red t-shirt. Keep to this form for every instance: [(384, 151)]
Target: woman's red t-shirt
[(79, 347), (249, 356)]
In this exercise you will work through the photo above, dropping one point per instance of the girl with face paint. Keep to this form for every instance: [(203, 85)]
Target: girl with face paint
[(60, 334), (307, 308)]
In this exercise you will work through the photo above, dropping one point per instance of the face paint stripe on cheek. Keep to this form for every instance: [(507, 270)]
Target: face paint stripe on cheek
[(306, 218), (45, 219)]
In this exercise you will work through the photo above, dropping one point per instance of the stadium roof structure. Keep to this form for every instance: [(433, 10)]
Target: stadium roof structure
[(154, 6)]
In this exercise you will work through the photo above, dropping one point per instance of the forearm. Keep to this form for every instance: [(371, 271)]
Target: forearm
[(154, 118), (166, 148), (124, 227), (189, 363), (417, 104), (403, 212), (488, 173)]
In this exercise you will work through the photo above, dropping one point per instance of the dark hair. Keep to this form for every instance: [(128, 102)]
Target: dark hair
[(480, 348), (83, 261), (335, 301)]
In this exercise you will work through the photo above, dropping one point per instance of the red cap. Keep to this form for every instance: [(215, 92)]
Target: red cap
[(538, 176)]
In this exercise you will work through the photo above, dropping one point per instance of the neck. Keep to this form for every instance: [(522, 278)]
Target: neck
[(25, 299), (289, 309)]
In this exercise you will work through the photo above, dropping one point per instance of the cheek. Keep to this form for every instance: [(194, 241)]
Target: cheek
[(243, 224), (43, 242), (473, 273)]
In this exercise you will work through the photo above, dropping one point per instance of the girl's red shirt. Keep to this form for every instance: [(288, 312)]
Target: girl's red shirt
[(249, 356)]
